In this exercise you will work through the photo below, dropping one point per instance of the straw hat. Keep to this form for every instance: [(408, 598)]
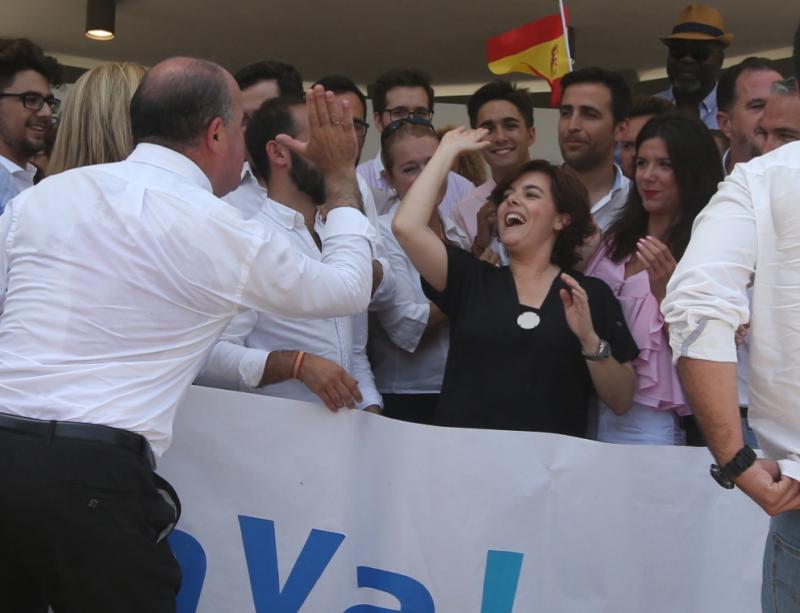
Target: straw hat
[(698, 22)]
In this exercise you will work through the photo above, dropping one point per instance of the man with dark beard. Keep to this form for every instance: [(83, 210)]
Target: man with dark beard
[(302, 359), (26, 112)]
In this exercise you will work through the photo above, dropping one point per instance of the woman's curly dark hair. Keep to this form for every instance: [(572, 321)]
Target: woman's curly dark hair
[(569, 197)]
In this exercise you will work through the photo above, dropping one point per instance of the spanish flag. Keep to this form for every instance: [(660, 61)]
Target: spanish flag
[(538, 48)]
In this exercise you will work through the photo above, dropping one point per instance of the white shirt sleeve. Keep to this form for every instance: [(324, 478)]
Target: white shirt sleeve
[(707, 295), (231, 365), (283, 281), (361, 368)]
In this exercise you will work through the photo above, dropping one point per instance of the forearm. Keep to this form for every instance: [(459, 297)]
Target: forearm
[(341, 189), (614, 383), (419, 203), (710, 388)]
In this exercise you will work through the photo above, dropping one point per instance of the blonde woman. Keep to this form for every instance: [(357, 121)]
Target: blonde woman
[(95, 122)]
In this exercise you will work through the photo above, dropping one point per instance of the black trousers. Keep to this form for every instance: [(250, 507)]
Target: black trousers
[(81, 529), (418, 408)]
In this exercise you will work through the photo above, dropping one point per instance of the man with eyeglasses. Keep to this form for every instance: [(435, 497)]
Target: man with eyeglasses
[(399, 94), (694, 62), (27, 107)]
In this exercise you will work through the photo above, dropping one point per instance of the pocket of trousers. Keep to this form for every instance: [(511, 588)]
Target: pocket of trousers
[(170, 498), (785, 584)]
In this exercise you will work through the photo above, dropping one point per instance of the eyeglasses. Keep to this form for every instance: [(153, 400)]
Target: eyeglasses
[(401, 112), (360, 126), (396, 125), (35, 101), (679, 49)]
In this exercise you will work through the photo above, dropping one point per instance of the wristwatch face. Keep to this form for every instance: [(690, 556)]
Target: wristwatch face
[(716, 472)]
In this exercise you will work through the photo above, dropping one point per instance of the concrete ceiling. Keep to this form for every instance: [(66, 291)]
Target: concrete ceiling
[(362, 38)]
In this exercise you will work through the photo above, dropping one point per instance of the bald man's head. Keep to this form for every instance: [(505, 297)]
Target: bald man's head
[(177, 100)]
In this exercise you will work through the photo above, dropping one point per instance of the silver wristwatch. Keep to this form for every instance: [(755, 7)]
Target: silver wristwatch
[(603, 352)]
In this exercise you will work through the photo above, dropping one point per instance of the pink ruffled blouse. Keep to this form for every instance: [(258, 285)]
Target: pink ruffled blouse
[(658, 386)]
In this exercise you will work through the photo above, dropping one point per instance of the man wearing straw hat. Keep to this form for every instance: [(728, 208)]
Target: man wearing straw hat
[(696, 51)]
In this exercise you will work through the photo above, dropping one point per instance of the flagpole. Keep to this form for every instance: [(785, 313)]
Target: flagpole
[(566, 34)]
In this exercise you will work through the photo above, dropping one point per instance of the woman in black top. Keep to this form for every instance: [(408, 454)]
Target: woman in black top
[(529, 343)]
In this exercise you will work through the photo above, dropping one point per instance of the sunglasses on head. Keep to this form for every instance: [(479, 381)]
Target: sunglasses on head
[(396, 125), (679, 49)]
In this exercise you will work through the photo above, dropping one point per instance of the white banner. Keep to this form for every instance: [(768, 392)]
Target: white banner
[(288, 507)]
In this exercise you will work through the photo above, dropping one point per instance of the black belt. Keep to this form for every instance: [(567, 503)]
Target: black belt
[(80, 432)]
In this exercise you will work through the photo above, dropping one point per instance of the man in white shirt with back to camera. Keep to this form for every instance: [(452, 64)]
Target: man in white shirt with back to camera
[(275, 355), (116, 280), (749, 231)]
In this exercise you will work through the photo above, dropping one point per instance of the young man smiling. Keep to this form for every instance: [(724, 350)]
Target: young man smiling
[(26, 112), (507, 114)]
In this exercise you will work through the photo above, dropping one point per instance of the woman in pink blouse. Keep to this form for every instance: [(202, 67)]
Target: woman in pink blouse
[(677, 169)]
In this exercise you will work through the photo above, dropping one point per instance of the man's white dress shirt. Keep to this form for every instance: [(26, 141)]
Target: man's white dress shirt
[(750, 227), (457, 186), (237, 360), (14, 179), (117, 279), (403, 361)]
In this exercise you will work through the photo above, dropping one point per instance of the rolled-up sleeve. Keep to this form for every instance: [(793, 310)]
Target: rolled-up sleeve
[(282, 280), (706, 297)]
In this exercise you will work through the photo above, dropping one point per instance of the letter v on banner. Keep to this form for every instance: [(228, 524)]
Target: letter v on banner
[(261, 553)]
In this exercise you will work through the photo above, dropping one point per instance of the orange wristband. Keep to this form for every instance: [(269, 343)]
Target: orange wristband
[(298, 363)]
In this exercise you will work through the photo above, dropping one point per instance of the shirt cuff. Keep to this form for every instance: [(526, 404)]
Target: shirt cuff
[(251, 367), (710, 339), (345, 221), (790, 468), (370, 398)]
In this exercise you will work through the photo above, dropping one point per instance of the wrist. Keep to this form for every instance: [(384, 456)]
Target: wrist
[(590, 344)]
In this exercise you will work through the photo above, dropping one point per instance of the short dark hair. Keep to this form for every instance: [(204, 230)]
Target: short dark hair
[(285, 75), (650, 105), (18, 54), (569, 197), (621, 101), (339, 84), (400, 77), (500, 90), (272, 118), (726, 87), (797, 53), (175, 109), (697, 167)]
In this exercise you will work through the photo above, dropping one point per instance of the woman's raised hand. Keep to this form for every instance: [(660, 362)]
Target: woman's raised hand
[(461, 140), (578, 313)]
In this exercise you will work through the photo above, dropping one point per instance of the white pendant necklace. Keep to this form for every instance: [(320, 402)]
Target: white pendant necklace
[(528, 320)]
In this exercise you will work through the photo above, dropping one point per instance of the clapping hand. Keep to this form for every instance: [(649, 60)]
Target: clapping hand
[(657, 260), (578, 313), (332, 146)]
